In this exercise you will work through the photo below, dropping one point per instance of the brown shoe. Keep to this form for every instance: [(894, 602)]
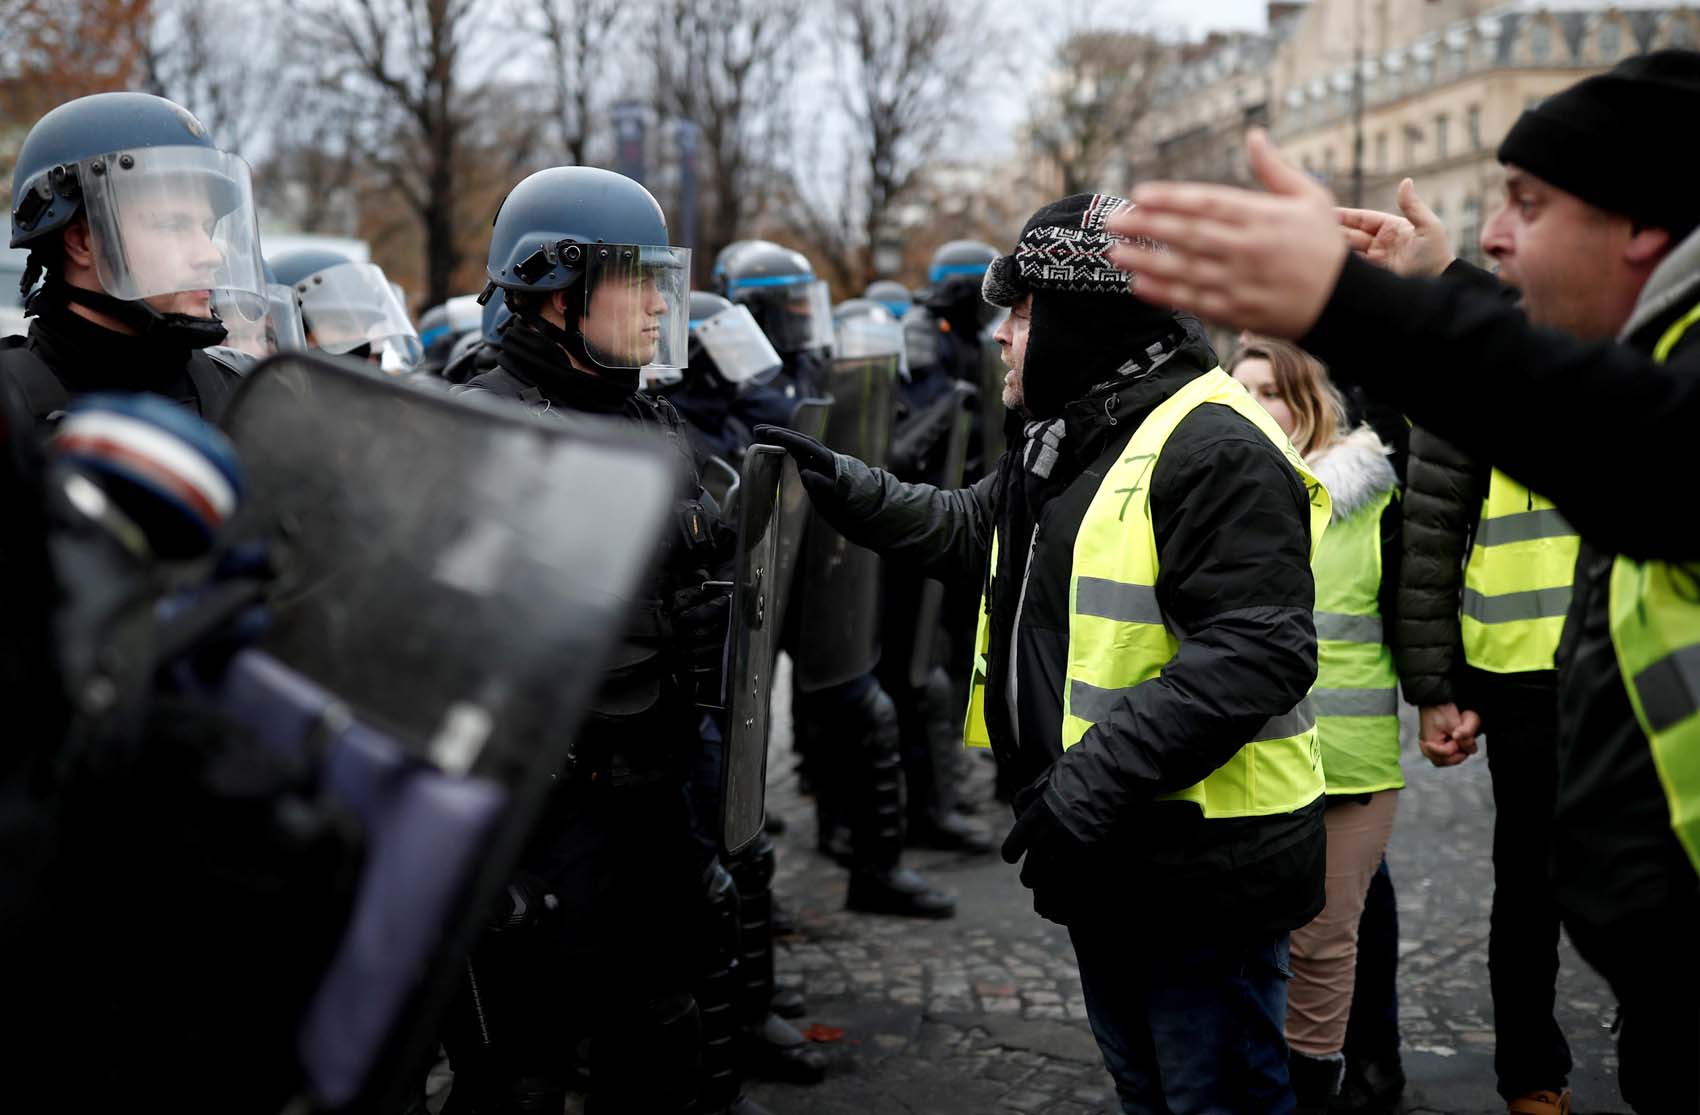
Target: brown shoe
[(1540, 1103)]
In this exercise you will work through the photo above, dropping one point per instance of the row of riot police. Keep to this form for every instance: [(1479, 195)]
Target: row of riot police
[(378, 718)]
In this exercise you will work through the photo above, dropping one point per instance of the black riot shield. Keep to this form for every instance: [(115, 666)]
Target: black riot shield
[(839, 622), (992, 411), (809, 417), (930, 608), (757, 596), (452, 575)]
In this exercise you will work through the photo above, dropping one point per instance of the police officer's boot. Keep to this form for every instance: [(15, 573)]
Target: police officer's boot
[(878, 884), (647, 1062), (769, 1046), (1316, 1080), (932, 773), (716, 993)]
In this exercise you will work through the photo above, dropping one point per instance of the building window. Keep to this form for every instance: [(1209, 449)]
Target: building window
[(1381, 152), (1470, 230), (1611, 39), (1413, 144), (1440, 129), (1473, 123), (1540, 41), (1328, 165)]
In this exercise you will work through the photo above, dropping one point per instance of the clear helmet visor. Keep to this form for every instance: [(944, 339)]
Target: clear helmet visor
[(866, 335), (353, 304), (637, 306), (740, 350), (172, 220), (261, 325)]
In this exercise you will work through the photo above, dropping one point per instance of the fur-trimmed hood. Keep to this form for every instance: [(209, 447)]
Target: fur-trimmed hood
[(1355, 470)]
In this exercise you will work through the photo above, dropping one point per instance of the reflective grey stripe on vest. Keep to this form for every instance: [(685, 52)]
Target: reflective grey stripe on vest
[(1515, 607), (1089, 702), (1095, 596), (1343, 628), (1670, 688), (1523, 526), (1355, 702)]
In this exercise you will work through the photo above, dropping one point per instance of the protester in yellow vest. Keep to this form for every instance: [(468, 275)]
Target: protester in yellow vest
[(1598, 233), (1146, 646), (1356, 695)]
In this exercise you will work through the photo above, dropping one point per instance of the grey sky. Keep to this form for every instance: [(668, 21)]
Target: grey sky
[(1199, 16)]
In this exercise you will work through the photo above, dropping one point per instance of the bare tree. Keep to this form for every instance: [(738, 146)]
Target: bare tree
[(1102, 84), (400, 66), (213, 58), (728, 67), (905, 68), (579, 35)]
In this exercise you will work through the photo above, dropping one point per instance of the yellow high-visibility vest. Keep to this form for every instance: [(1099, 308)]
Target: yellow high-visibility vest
[(1119, 638), (1517, 582), (1655, 629)]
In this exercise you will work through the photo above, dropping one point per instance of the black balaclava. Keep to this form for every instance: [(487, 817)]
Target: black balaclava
[(1088, 329)]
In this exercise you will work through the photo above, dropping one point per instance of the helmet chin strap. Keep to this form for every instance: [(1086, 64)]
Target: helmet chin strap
[(189, 331)]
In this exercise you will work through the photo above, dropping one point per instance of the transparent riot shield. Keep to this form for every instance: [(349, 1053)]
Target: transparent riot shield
[(838, 632), (930, 609), (451, 578), (757, 598), (992, 410)]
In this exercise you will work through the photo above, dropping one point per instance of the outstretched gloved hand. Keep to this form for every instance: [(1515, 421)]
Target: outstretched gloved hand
[(816, 464)]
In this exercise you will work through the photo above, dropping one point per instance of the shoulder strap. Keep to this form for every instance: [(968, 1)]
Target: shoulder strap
[(215, 382), (46, 396)]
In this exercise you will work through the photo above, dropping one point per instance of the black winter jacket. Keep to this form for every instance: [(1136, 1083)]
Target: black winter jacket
[(1541, 405), (1232, 527), (1443, 501)]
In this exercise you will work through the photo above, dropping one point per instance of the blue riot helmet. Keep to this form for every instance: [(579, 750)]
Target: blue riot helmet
[(441, 327), (779, 286), (955, 276), (723, 257), (170, 217), (349, 307), (727, 344), (891, 294), (598, 239)]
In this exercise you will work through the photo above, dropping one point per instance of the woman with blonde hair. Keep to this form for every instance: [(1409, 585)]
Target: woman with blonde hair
[(1355, 697)]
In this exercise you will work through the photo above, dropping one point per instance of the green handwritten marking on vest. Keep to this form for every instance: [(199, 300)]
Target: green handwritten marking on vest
[(1655, 630), (1138, 484)]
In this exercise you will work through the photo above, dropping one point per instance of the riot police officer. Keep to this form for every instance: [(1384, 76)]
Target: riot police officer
[(350, 308), (727, 389), (947, 322), (791, 305), (581, 258), (891, 294), (137, 219)]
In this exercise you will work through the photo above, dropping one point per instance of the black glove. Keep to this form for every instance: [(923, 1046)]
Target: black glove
[(702, 616), (811, 456), (524, 903), (1036, 827)]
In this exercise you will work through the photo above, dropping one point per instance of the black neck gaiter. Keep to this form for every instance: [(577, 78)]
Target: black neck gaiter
[(539, 361), (89, 357)]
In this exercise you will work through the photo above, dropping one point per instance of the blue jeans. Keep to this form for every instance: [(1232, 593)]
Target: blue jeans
[(1188, 1026)]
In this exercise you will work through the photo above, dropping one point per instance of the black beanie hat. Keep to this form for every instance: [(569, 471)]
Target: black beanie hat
[(1086, 323), (1608, 139)]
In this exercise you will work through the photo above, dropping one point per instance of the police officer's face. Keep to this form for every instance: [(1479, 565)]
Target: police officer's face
[(168, 244), (1011, 337), (623, 320), (1572, 262)]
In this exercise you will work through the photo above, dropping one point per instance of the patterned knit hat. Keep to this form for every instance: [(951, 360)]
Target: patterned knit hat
[(1062, 247)]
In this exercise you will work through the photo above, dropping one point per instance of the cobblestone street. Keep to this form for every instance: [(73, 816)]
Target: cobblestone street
[(984, 1013)]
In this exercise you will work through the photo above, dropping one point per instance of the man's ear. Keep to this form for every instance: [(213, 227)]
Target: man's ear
[(1646, 246), (558, 302), (79, 244)]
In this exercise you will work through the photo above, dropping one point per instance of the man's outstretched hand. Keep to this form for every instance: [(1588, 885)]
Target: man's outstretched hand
[(810, 455), (1415, 244), (1260, 261)]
